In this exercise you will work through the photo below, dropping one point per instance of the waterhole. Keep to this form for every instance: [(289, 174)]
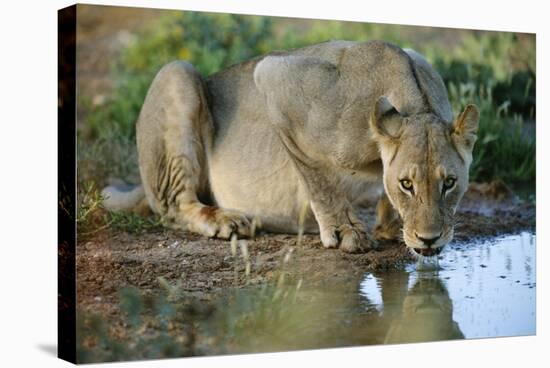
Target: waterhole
[(475, 290)]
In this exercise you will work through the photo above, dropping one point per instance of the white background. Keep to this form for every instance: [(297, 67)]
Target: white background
[(28, 180)]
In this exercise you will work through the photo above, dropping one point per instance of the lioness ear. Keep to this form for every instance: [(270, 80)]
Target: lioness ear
[(464, 131), (385, 121)]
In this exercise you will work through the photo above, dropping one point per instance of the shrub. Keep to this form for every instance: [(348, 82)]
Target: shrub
[(503, 150), (209, 41)]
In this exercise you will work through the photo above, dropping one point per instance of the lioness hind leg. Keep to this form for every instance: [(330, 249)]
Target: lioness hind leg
[(174, 135), (388, 223)]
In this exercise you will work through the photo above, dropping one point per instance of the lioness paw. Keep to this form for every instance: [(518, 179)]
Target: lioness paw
[(355, 241), (220, 223), (350, 239)]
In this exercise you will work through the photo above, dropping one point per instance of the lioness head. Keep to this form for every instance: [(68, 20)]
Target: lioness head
[(426, 163)]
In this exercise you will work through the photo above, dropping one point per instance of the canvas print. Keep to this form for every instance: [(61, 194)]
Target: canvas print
[(248, 184)]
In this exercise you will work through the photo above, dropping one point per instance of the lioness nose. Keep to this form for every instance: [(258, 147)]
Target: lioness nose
[(428, 239)]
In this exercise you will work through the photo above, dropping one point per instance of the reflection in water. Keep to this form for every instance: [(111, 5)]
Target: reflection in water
[(426, 314), (486, 290), (421, 312), (482, 290)]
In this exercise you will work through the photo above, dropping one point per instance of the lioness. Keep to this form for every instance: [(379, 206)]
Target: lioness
[(320, 125)]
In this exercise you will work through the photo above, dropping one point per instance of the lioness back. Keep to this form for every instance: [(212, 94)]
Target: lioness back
[(249, 168)]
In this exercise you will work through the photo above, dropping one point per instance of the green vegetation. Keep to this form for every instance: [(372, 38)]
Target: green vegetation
[(92, 217), (503, 150), (494, 70), (209, 41), (153, 327)]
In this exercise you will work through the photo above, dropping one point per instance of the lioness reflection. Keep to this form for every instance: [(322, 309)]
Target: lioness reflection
[(386, 310), (422, 312)]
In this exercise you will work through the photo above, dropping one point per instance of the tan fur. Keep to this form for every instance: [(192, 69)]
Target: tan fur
[(388, 223), (321, 125)]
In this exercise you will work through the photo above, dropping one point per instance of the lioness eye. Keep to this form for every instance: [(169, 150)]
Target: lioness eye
[(448, 183), (406, 184)]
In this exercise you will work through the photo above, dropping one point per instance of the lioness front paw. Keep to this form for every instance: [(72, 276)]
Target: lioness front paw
[(350, 239)]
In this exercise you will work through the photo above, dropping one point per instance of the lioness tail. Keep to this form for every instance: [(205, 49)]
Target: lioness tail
[(124, 198)]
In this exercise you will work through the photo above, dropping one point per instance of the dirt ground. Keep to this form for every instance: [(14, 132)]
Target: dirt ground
[(203, 267)]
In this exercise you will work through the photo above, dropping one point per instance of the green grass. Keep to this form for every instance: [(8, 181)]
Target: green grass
[(495, 70), (133, 223), (92, 217)]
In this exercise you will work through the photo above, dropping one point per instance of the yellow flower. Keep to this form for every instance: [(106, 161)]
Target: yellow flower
[(184, 53)]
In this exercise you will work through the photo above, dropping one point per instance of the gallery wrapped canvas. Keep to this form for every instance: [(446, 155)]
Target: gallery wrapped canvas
[(240, 184)]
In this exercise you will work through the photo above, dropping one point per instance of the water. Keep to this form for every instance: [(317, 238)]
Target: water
[(478, 291), (472, 291)]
